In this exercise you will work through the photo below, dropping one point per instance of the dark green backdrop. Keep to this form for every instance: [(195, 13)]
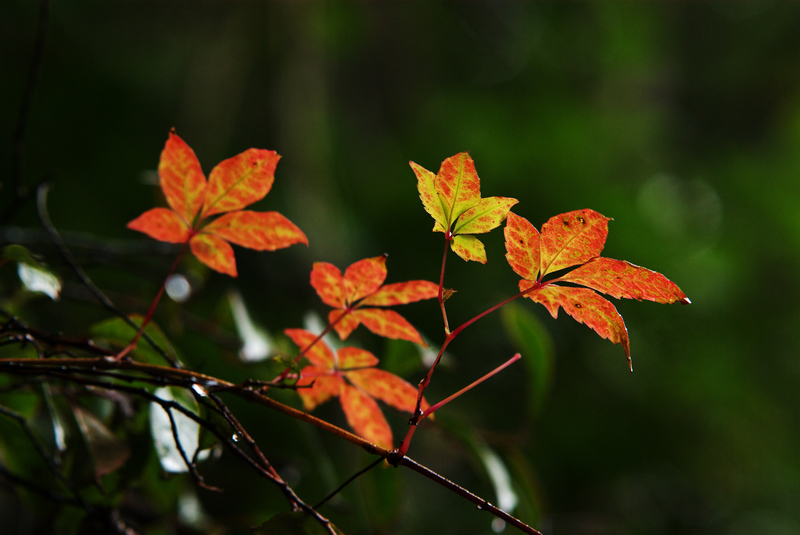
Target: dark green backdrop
[(681, 121)]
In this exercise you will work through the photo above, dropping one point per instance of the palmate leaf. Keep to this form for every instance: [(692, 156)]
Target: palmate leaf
[(453, 198), (350, 374), (576, 239), (233, 184), (355, 294)]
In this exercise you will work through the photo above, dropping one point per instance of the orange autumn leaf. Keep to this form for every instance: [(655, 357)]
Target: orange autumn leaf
[(576, 239), (453, 198), (350, 375), (232, 185), (355, 295)]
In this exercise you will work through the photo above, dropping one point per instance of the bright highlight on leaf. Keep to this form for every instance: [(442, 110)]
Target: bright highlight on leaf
[(355, 294), (350, 374), (232, 185), (576, 239), (453, 198)]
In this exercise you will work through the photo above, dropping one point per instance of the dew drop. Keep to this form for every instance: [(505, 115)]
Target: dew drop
[(235, 437), (578, 305)]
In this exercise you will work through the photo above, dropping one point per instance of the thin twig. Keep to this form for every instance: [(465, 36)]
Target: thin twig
[(99, 295), (190, 464), (48, 459), (464, 493), (349, 480), (187, 379)]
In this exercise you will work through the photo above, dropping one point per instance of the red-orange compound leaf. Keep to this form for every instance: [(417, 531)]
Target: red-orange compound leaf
[(233, 184), (362, 286), (576, 239), (351, 375)]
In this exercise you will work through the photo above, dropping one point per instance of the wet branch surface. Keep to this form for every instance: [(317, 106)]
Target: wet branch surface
[(102, 371)]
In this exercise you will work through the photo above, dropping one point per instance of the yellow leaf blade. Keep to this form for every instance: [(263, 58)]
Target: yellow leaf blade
[(458, 185), (485, 216), (469, 248), (426, 185)]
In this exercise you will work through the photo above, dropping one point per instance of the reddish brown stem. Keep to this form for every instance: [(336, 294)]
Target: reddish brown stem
[(464, 493), (448, 237), (187, 379), (418, 414), (149, 316), (430, 410), (305, 350)]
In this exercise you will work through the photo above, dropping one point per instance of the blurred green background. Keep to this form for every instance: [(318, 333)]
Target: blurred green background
[(681, 121)]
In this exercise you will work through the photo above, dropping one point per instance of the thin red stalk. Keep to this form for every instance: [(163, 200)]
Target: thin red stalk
[(447, 239), (418, 415), (149, 316), (304, 350), (470, 386)]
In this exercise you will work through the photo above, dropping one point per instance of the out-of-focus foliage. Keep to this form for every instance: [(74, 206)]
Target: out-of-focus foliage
[(679, 120)]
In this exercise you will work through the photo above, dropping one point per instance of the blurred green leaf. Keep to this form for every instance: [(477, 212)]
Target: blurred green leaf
[(382, 495), (532, 340), (186, 429), (22, 255), (108, 453), (116, 334)]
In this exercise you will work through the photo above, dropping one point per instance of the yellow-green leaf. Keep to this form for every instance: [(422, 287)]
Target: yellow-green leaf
[(469, 248), (426, 185), (458, 185), (486, 216)]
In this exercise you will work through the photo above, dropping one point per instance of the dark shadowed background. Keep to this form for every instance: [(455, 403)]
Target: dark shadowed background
[(680, 121)]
